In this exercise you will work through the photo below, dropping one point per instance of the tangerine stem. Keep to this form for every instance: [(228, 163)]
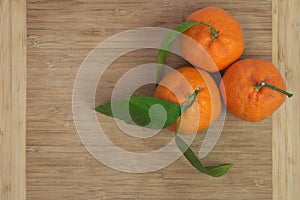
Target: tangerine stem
[(264, 84), (190, 100), (186, 105), (214, 33)]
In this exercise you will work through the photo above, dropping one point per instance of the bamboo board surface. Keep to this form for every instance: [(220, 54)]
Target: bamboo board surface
[(62, 33), (60, 36), (12, 99), (286, 121)]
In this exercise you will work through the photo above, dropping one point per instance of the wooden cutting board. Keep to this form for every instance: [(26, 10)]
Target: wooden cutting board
[(60, 34)]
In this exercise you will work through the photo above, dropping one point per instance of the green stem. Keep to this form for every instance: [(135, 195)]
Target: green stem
[(190, 100), (214, 33), (258, 87)]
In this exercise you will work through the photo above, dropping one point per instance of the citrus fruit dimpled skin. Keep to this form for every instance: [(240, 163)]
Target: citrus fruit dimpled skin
[(239, 95), (224, 50), (177, 85)]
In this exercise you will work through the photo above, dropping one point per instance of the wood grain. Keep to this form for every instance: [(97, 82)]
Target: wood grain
[(60, 35), (12, 99), (286, 128), (12, 83)]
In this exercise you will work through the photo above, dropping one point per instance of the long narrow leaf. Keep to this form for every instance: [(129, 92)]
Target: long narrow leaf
[(167, 42), (215, 171)]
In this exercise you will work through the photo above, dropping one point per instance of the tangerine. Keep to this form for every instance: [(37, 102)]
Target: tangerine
[(244, 93), (220, 35), (177, 85)]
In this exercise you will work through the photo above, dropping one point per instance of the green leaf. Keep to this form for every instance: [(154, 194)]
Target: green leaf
[(189, 154), (218, 171), (215, 171), (163, 114), (148, 112), (167, 42)]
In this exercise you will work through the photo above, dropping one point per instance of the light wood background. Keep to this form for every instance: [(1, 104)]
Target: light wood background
[(12, 99), (286, 121), (62, 33), (60, 36)]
